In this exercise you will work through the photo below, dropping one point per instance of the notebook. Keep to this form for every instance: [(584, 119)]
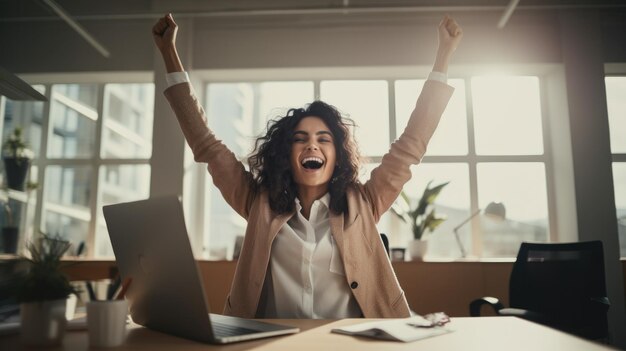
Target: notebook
[(152, 247), (405, 329)]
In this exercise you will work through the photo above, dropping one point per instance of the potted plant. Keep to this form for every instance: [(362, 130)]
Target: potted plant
[(17, 157), (422, 218), (42, 290)]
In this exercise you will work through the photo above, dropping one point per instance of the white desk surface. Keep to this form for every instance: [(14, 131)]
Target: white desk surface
[(481, 333)]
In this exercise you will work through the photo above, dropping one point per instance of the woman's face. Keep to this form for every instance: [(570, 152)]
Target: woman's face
[(313, 154)]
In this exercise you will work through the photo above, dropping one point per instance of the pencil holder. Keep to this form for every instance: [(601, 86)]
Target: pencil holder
[(106, 322)]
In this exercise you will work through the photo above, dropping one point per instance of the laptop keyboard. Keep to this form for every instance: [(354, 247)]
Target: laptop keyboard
[(221, 329)]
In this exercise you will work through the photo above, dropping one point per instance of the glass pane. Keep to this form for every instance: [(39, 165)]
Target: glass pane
[(276, 98), (507, 115), (238, 112), (453, 202), (85, 94), (67, 191), (450, 138), (224, 225), (367, 103), (69, 228), (73, 118), (27, 115), (118, 183), (17, 217), (521, 187), (619, 184), (616, 103), (128, 117)]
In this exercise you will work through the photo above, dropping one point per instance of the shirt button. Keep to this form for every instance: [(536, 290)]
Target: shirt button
[(354, 285)]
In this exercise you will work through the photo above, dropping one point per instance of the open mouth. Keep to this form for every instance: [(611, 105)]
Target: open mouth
[(312, 163)]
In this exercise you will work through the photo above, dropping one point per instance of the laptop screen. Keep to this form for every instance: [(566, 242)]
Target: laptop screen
[(152, 247)]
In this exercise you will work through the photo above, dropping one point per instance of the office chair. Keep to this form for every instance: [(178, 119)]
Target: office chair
[(559, 285), (385, 240)]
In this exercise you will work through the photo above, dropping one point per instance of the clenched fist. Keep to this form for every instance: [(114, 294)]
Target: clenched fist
[(450, 34), (164, 33)]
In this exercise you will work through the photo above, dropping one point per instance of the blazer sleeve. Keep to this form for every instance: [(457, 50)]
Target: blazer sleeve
[(389, 177), (228, 173)]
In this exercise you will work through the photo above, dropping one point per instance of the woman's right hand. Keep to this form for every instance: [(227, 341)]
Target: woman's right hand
[(164, 33)]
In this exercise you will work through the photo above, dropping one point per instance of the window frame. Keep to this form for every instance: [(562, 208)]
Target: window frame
[(95, 162), (390, 75), (616, 70)]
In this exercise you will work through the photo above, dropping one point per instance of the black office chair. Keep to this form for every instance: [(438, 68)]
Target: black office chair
[(385, 240), (558, 285)]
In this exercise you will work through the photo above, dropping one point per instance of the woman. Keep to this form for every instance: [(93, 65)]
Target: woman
[(311, 248)]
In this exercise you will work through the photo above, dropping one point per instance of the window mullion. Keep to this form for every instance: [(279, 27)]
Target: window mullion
[(619, 157), (3, 101), (316, 89), (40, 161), (392, 111), (476, 231), (548, 164), (95, 172)]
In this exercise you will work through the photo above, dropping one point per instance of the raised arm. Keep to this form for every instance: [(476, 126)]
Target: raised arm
[(164, 35), (228, 174), (387, 180), (450, 34)]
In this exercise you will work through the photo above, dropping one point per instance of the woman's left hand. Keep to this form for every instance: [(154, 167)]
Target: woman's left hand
[(450, 34)]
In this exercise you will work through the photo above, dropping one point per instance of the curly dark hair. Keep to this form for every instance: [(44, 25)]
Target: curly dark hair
[(270, 163)]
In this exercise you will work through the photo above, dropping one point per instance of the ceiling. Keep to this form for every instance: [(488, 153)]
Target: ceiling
[(38, 10)]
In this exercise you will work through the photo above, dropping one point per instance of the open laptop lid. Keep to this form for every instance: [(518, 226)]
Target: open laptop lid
[(151, 246)]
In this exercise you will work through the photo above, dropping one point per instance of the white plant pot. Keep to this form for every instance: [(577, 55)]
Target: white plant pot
[(43, 322), (417, 249)]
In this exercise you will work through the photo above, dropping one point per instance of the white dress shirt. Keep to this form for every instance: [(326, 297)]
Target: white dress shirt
[(305, 276)]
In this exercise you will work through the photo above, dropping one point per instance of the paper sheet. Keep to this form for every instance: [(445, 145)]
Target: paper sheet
[(405, 330)]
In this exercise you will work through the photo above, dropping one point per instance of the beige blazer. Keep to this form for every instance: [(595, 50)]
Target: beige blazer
[(368, 270)]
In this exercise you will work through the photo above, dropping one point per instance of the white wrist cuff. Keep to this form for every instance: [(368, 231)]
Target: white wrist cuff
[(176, 78), (438, 76)]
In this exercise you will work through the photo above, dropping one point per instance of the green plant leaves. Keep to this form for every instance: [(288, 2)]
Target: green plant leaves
[(420, 221), (15, 146), (43, 279)]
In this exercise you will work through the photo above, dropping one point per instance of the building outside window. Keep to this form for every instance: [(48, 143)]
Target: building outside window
[(92, 144), (490, 146)]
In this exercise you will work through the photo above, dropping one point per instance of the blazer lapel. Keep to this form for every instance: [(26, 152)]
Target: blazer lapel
[(336, 228), (275, 225)]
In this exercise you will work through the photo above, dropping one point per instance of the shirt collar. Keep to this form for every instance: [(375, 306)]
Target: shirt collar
[(325, 200)]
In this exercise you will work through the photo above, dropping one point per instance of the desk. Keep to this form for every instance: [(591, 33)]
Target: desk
[(485, 333)]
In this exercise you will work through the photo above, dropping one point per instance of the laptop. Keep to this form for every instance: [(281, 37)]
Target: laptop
[(151, 246)]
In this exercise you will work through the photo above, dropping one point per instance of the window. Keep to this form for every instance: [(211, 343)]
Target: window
[(237, 112), (92, 144), (616, 104), (372, 118), (490, 145)]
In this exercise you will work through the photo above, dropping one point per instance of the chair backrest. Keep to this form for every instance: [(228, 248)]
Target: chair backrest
[(385, 240), (565, 282)]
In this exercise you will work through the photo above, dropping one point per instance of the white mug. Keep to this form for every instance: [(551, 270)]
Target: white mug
[(106, 322)]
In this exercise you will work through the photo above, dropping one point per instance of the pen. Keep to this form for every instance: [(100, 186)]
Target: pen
[(113, 287), (80, 249), (119, 295), (92, 294)]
